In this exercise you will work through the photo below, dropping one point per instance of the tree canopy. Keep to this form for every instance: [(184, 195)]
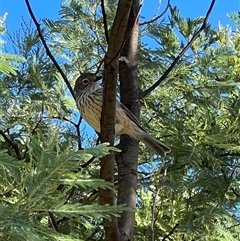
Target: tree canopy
[(50, 165)]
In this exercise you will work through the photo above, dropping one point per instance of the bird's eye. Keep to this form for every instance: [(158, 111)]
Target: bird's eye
[(85, 81)]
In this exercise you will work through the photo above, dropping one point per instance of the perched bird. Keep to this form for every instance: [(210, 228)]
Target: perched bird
[(89, 94)]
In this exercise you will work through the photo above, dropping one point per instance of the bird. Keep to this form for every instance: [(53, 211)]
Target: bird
[(89, 95)]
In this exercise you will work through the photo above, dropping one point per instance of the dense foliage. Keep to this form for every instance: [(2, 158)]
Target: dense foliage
[(49, 188)]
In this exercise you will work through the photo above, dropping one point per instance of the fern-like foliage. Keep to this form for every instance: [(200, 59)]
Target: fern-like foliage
[(48, 188)]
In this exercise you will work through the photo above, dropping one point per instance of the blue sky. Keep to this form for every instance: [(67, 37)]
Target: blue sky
[(16, 9)]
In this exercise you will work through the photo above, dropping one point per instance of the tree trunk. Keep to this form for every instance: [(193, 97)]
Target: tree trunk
[(127, 160), (111, 63)]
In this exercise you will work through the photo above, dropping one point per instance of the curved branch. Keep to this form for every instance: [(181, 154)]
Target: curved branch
[(48, 52), (159, 16), (189, 44)]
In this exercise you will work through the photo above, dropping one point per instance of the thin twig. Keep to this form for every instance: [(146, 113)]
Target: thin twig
[(105, 21), (157, 8), (62, 119), (88, 162), (235, 193), (70, 195), (54, 222), (92, 158), (94, 232), (233, 226), (99, 45), (39, 121), (48, 52), (13, 145), (159, 16), (189, 44), (99, 66), (171, 232), (79, 133)]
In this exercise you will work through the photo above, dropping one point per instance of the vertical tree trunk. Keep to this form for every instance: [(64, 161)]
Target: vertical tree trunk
[(127, 160), (111, 64)]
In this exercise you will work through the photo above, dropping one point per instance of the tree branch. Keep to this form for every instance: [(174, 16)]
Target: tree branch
[(94, 233), (171, 232), (48, 52), (79, 134), (39, 121), (127, 159), (189, 44), (91, 159), (60, 118), (70, 195), (127, 35), (159, 16), (77, 126), (104, 20), (233, 226), (111, 63), (88, 162), (235, 193), (53, 222), (13, 145)]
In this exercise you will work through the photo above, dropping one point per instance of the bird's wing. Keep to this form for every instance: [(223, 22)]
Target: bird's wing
[(130, 115)]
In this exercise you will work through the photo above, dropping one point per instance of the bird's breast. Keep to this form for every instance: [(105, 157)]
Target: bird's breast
[(90, 107)]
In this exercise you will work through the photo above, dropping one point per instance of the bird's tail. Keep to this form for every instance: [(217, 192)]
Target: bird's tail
[(156, 145), (150, 141)]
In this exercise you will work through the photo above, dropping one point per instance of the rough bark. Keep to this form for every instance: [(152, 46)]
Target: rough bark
[(127, 160), (108, 109)]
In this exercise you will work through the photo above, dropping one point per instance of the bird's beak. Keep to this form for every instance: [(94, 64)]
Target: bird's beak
[(98, 78)]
